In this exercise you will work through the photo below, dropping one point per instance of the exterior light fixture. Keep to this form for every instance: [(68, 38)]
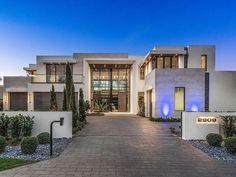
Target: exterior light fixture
[(30, 97), (61, 121)]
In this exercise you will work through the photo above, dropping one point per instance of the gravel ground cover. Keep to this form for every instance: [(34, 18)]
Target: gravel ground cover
[(219, 153), (42, 152)]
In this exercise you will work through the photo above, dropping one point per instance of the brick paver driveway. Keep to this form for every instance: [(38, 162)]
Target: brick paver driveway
[(127, 146)]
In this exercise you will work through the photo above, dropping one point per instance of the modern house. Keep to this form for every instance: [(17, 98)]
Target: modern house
[(171, 79)]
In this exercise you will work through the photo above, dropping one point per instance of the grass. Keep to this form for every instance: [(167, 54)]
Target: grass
[(8, 163)]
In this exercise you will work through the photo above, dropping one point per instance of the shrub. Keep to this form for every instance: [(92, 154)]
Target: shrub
[(16, 126), (28, 123), (44, 138), (4, 125), (214, 139), (29, 145), (14, 141), (141, 106), (1, 105), (2, 144), (228, 125), (230, 144), (87, 106), (82, 115), (160, 119)]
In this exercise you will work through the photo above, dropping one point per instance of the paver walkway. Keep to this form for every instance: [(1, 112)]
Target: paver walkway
[(127, 146)]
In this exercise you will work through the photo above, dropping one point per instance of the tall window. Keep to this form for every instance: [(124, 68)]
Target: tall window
[(204, 62), (179, 98), (175, 62), (55, 72), (141, 69), (167, 62), (160, 62)]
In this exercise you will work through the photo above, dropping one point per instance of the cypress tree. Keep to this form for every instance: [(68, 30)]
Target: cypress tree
[(69, 83), (75, 115), (64, 107), (82, 115), (53, 100)]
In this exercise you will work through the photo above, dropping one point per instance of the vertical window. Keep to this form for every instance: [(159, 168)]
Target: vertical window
[(160, 62), (141, 72), (179, 98), (175, 62), (167, 62), (204, 62), (154, 63), (50, 72), (55, 72), (60, 73)]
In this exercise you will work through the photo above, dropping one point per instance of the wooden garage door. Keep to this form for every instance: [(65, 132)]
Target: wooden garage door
[(18, 101), (42, 100)]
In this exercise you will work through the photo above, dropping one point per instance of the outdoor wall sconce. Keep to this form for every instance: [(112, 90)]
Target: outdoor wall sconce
[(5, 98), (61, 121), (30, 97)]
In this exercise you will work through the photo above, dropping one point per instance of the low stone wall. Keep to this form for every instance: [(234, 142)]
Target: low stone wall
[(42, 122), (196, 125)]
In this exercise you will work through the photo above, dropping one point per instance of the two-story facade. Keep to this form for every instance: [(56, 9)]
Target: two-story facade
[(171, 80)]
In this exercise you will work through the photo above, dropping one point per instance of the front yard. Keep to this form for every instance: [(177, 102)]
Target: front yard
[(7, 163)]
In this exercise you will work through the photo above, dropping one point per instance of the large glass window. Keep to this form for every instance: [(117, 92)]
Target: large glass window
[(204, 62), (167, 62), (55, 72), (175, 62), (160, 62), (179, 98), (110, 87), (142, 74)]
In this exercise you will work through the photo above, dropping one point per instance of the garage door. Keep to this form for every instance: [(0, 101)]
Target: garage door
[(42, 100), (18, 101)]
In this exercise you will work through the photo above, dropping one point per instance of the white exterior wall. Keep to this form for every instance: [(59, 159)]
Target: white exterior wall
[(222, 91), (222, 86), (163, 83), (42, 122), (193, 131)]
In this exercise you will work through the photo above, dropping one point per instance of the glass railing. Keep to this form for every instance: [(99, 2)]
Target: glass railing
[(43, 78)]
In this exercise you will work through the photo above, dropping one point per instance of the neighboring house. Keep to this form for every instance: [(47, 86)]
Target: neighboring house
[(171, 79)]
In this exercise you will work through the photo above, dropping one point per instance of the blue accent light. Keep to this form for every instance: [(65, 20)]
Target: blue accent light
[(166, 107), (194, 108)]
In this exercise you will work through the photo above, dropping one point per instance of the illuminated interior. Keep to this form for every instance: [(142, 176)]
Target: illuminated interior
[(110, 87)]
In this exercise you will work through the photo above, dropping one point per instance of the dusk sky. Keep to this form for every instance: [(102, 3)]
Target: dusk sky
[(30, 28)]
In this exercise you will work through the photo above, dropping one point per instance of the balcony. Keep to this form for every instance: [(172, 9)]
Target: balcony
[(43, 78)]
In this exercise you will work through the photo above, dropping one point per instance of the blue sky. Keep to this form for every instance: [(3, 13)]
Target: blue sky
[(30, 28)]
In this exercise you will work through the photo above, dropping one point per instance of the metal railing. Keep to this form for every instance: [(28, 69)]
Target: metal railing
[(43, 78)]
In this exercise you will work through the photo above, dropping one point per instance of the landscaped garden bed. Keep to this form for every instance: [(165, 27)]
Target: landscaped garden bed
[(161, 119), (42, 152), (218, 147), (219, 153)]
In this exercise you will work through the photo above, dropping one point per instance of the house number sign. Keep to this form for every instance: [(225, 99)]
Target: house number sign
[(207, 120)]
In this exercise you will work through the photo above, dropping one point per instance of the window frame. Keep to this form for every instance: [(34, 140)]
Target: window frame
[(183, 99), (205, 63)]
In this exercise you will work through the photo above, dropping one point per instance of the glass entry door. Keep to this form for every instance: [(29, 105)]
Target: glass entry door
[(110, 87)]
